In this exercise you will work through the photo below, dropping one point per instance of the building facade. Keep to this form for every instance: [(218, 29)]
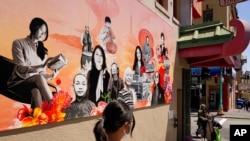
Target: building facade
[(169, 121)]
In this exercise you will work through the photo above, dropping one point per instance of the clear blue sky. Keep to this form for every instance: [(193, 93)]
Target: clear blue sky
[(244, 14)]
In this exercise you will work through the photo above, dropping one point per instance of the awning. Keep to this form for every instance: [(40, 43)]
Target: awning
[(212, 45), (214, 71)]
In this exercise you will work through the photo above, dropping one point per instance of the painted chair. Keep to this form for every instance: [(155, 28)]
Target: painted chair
[(7, 66)]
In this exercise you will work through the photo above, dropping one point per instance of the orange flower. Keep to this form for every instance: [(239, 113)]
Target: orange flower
[(38, 118), (48, 113), (62, 98), (55, 114)]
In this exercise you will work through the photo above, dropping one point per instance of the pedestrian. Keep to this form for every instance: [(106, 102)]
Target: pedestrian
[(116, 123), (201, 117), (246, 104), (210, 125)]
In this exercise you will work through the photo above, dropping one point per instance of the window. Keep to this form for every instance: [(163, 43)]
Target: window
[(163, 3), (160, 2), (208, 16)]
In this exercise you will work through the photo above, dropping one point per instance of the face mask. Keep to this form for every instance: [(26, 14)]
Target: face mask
[(125, 136), (209, 120)]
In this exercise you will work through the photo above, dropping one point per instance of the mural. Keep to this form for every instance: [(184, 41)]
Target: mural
[(67, 59)]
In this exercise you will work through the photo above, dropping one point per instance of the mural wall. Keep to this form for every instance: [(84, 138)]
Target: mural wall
[(67, 59)]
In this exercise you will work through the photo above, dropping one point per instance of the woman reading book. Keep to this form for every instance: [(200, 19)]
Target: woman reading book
[(29, 78)]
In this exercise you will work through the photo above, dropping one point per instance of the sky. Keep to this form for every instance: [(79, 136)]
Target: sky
[(243, 13)]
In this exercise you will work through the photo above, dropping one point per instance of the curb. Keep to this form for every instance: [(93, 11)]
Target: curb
[(235, 117), (226, 116)]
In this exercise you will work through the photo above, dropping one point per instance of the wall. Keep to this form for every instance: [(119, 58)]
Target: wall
[(219, 13), (148, 121), (152, 123)]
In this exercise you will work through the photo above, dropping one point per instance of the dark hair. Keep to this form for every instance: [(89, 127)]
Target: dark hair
[(35, 24), (114, 63), (93, 60), (165, 50), (162, 35), (136, 59), (115, 115), (107, 19)]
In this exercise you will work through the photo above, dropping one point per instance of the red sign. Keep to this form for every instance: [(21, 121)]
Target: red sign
[(229, 2), (197, 9)]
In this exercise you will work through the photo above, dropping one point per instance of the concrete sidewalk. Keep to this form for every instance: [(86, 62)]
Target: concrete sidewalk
[(235, 113)]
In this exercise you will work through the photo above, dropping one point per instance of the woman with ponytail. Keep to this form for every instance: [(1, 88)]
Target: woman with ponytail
[(117, 122)]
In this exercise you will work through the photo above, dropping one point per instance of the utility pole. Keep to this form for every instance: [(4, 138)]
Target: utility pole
[(220, 108)]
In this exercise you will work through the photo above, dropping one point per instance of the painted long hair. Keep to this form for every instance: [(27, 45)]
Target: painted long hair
[(93, 66), (136, 59), (34, 26)]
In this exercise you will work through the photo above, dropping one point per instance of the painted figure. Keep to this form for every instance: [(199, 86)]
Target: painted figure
[(162, 45), (30, 54), (107, 37), (87, 49), (160, 50), (98, 76), (166, 61), (158, 91), (138, 65), (128, 94), (115, 82), (86, 40), (81, 106), (146, 50)]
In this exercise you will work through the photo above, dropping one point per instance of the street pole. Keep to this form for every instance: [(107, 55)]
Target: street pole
[(220, 109)]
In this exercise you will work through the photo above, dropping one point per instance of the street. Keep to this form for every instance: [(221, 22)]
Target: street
[(230, 118)]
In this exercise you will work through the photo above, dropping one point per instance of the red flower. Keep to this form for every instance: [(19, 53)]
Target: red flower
[(48, 113), (24, 112), (143, 69), (62, 98), (98, 110)]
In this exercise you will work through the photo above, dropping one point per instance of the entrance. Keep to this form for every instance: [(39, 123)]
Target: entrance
[(214, 97)]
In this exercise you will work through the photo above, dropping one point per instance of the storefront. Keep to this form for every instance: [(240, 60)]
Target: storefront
[(210, 48)]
